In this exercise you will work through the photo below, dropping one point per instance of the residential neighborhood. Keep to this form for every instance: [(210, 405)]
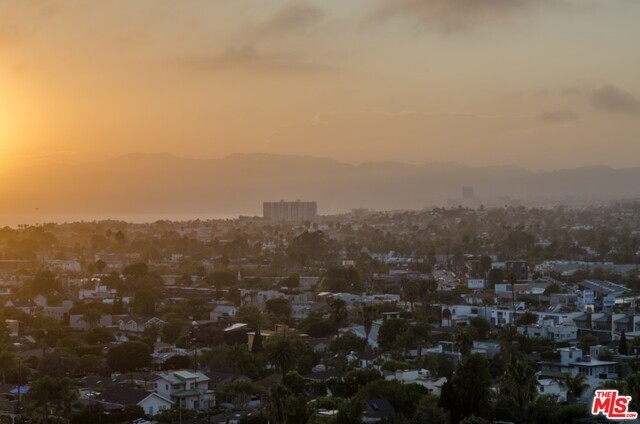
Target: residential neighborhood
[(503, 315)]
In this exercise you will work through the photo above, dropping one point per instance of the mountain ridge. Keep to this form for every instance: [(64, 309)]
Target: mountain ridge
[(239, 183)]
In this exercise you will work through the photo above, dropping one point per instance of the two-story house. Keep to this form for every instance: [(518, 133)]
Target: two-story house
[(187, 389)]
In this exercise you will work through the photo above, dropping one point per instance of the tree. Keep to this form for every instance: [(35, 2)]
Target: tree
[(240, 391), (8, 362), (308, 246), (468, 391), (347, 342), (339, 280), (129, 356), (100, 265), (280, 308), (250, 315), (144, 302), (420, 335), (282, 351), (587, 341), (368, 314), (119, 236), (575, 385), (622, 344), (518, 387), (92, 316), (350, 412), (172, 330), (44, 282), (339, 313), (429, 412), (410, 290), (222, 279), (316, 326), (403, 397), (177, 362), (390, 332), (59, 363), (90, 364), (4, 332), (528, 318), (427, 290), (136, 270), (99, 335), (553, 288), (49, 392), (481, 325), (291, 282), (464, 340)]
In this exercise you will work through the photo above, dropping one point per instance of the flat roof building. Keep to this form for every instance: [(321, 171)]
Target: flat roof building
[(290, 211)]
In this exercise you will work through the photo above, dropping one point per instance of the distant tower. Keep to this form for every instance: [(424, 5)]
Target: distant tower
[(467, 193)]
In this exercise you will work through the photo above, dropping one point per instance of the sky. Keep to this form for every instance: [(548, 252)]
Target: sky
[(543, 84)]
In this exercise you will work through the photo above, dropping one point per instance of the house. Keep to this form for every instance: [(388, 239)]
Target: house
[(359, 331), (363, 360), (558, 333), (27, 306), (219, 379), (574, 362), (40, 301), (164, 351), (422, 377), (14, 327), (151, 402), (551, 386), (378, 410), (77, 322), (187, 389), (223, 313), (280, 330), (60, 313), (9, 394), (131, 324)]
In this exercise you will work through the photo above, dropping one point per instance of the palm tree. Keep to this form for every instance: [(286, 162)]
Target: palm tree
[(464, 341), (339, 314), (67, 396), (282, 351), (368, 313), (427, 290), (421, 333), (43, 392), (7, 363), (410, 290), (519, 386), (575, 386)]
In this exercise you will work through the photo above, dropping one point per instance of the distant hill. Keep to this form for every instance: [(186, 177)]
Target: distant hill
[(143, 183)]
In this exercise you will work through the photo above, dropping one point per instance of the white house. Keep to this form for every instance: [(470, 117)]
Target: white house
[(131, 324), (151, 402), (189, 390), (573, 361), (223, 313)]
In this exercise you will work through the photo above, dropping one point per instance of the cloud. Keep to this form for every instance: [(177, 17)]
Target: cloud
[(298, 17), (611, 99), (20, 20), (453, 15), (558, 116), (249, 59)]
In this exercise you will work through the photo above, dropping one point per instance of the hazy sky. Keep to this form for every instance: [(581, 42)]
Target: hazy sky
[(539, 83)]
